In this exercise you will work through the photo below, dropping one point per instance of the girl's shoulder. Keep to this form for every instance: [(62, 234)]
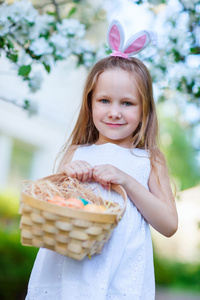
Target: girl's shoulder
[(141, 152)]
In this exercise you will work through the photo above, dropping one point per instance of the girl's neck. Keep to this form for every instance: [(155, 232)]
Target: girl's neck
[(123, 144)]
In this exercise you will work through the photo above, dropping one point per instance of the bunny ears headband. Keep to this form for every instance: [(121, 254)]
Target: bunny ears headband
[(134, 45)]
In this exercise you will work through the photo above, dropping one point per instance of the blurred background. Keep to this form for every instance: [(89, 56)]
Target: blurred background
[(46, 50)]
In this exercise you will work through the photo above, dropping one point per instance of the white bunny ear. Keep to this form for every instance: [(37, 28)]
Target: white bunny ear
[(116, 36), (139, 41)]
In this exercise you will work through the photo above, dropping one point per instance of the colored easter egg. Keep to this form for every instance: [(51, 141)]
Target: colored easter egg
[(85, 202), (53, 201), (94, 208), (58, 198), (101, 208), (74, 203)]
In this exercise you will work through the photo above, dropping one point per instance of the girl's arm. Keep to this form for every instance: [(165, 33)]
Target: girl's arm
[(78, 169), (156, 205), (166, 221)]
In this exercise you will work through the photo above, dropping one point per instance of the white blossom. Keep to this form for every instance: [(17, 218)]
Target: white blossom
[(71, 27), (61, 45), (24, 58), (158, 73), (88, 59), (41, 26), (40, 46), (4, 12), (196, 86), (178, 72), (47, 60), (4, 21), (182, 41), (34, 32), (173, 9), (192, 114), (80, 46), (183, 21), (190, 4), (22, 10), (43, 22), (197, 8), (20, 32), (35, 81), (101, 53), (22, 23), (4, 28)]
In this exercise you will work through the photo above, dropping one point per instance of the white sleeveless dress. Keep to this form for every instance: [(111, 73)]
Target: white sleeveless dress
[(124, 269)]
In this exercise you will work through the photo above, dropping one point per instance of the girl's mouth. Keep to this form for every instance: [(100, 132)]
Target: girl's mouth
[(114, 125)]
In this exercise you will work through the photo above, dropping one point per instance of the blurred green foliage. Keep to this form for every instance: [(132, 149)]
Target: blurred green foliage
[(177, 275), (16, 261), (177, 145), (9, 205), (22, 158)]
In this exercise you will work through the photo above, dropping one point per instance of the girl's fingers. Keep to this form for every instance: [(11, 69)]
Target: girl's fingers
[(107, 187), (80, 170), (106, 174), (86, 171), (102, 175), (69, 171), (87, 174)]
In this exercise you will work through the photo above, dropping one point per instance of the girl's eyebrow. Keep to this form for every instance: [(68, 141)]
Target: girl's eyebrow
[(129, 98), (101, 96), (126, 98)]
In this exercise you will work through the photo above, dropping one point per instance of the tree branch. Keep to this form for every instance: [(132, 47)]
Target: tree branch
[(57, 10), (30, 107), (41, 5), (48, 3), (12, 102)]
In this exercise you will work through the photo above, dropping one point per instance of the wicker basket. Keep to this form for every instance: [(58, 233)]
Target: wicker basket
[(71, 232)]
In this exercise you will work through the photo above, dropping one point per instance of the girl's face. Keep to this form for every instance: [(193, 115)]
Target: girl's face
[(116, 107)]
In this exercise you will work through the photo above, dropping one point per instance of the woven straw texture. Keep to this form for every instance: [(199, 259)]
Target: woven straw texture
[(71, 232)]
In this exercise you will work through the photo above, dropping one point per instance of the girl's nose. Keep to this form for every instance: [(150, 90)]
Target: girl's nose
[(114, 113)]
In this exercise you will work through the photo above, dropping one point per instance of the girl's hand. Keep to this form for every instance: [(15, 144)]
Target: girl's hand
[(78, 169), (106, 174)]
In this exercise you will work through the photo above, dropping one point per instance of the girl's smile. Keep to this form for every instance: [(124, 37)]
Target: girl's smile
[(114, 125), (116, 107)]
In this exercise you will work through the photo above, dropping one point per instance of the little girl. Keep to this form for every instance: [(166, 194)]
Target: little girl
[(114, 141)]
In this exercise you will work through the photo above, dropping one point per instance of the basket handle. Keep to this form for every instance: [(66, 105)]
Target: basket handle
[(55, 177), (120, 190)]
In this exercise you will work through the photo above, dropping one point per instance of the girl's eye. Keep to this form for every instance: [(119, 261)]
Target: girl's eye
[(104, 101), (127, 103)]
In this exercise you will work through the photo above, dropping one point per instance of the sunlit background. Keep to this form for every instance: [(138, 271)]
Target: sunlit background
[(40, 93)]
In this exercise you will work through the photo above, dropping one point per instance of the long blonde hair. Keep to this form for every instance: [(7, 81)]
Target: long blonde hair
[(146, 134)]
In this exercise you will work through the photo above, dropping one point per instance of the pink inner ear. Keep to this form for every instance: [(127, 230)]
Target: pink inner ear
[(114, 37), (137, 45)]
